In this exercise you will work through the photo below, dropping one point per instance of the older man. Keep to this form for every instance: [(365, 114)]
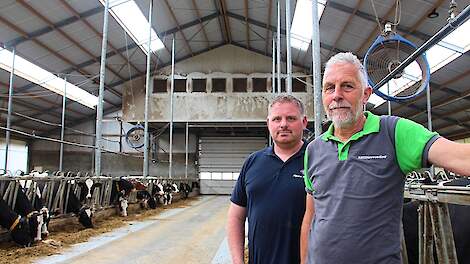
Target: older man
[(355, 172), (270, 191)]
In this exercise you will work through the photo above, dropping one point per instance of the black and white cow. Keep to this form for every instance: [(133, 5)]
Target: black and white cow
[(17, 225), (185, 189), (82, 211), (169, 189), (146, 200), (73, 205), (120, 194), (157, 192), (460, 219), (35, 219), (38, 204)]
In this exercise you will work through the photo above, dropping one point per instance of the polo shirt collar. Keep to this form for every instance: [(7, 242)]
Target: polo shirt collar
[(270, 150), (372, 125)]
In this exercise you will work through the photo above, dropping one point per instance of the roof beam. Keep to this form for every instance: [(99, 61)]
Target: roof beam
[(223, 30), (464, 95), (440, 116), (41, 99), (461, 134), (422, 18), (225, 21), (62, 33), (437, 128), (374, 33), (84, 21), (262, 53), (59, 24), (435, 86), (272, 28), (178, 27), (369, 17), (247, 25), (348, 22), (42, 45), (196, 9), (268, 22)]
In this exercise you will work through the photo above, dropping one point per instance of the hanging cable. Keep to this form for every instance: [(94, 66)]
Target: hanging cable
[(65, 142)]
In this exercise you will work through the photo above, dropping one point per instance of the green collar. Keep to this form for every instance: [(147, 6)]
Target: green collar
[(371, 125)]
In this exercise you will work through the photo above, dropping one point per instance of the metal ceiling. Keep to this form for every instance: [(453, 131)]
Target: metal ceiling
[(64, 37)]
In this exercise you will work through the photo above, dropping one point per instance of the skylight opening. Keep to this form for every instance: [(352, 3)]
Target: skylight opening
[(33, 73), (459, 37), (301, 31), (131, 18)]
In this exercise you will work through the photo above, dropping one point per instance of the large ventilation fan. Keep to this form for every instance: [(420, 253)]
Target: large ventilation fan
[(135, 136), (385, 54)]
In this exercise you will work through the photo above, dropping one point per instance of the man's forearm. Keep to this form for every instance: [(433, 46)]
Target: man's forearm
[(304, 240), (236, 241)]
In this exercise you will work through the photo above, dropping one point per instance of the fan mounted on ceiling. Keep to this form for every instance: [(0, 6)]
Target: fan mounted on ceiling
[(386, 54), (135, 136)]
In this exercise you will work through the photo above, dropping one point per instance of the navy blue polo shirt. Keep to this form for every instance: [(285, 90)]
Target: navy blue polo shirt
[(273, 193)]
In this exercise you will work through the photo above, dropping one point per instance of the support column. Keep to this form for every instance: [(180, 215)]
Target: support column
[(316, 60), (62, 128), (99, 109), (10, 103), (170, 169), (289, 59), (145, 170)]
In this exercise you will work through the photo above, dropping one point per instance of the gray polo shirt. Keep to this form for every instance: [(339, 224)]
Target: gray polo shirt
[(357, 188)]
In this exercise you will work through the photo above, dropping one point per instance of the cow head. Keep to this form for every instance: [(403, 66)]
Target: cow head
[(35, 221), (46, 219), (174, 187), (160, 189), (20, 232), (152, 203), (85, 216), (123, 204)]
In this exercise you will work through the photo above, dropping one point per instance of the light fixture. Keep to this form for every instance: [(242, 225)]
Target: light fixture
[(433, 14)]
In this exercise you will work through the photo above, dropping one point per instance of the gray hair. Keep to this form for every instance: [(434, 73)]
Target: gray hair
[(348, 57), (287, 99)]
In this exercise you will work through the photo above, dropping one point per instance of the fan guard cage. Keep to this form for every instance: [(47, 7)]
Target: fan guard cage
[(385, 54), (135, 136)]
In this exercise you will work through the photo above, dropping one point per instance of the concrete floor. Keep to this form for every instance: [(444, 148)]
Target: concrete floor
[(194, 234)]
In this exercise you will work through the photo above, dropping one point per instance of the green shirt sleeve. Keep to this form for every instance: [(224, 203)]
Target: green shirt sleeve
[(410, 142), (308, 183)]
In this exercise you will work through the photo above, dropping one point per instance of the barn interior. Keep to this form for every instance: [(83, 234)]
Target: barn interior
[(179, 90)]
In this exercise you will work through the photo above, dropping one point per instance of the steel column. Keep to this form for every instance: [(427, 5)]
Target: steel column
[(170, 169), (99, 109), (10, 102), (428, 106), (147, 94), (278, 54), (186, 151), (289, 59), (62, 127), (316, 61), (273, 80)]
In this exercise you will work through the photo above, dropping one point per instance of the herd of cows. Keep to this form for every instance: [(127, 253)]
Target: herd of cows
[(28, 214)]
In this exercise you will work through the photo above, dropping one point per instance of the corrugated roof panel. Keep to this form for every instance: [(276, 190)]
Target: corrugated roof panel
[(21, 18), (84, 5)]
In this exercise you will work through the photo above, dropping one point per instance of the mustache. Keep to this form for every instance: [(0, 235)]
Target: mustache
[(334, 105)]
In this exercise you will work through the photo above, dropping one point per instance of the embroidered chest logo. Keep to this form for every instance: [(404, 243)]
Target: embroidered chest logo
[(371, 157), (301, 175)]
